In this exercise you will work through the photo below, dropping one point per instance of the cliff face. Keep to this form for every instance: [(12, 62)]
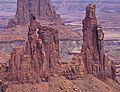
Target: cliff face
[(32, 62), (40, 8), (96, 62)]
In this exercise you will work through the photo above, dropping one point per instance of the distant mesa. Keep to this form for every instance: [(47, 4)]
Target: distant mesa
[(42, 9)]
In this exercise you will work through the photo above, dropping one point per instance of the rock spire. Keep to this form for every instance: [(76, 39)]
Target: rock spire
[(94, 57), (32, 62)]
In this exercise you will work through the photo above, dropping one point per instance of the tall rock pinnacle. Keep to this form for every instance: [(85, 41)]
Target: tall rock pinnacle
[(96, 62), (40, 8), (32, 62)]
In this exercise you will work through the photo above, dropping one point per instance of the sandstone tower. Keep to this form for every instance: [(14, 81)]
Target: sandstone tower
[(94, 57), (32, 62)]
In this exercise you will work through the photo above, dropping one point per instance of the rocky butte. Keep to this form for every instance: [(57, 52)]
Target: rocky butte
[(42, 9), (94, 57), (45, 15)]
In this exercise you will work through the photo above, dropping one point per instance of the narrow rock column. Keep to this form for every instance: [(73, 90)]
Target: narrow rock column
[(92, 49)]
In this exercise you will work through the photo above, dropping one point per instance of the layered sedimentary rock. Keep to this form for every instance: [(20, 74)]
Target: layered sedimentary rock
[(42, 9), (32, 63), (95, 59)]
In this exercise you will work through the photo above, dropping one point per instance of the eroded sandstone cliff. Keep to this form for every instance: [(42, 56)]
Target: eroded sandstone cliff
[(32, 62), (35, 66), (42, 9)]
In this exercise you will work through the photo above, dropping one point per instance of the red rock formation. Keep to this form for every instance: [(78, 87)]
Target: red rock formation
[(71, 70), (40, 8), (96, 62), (33, 62), (3, 86), (75, 69)]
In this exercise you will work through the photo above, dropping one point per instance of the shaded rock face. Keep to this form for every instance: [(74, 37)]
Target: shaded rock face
[(32, 62), (40, 8), (95, 60), (3, 86)]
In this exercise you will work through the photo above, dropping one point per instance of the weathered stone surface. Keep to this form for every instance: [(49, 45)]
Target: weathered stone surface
[(75, 69), (95, 60), (32, 63), (71, 70), (3, 86), (42, 9)]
